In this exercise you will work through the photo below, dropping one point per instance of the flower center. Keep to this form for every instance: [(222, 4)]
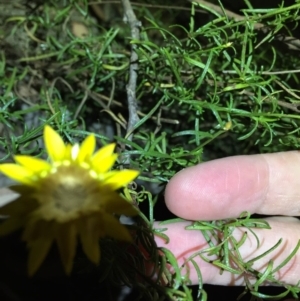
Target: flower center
[(69, 189), (69, 194)]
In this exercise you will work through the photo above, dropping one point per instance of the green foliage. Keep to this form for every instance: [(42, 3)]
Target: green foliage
[(207, 89)]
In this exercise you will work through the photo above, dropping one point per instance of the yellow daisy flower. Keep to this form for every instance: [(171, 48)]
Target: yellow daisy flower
[(72, 197)]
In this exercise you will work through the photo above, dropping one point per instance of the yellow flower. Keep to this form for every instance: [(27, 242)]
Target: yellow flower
[(72, 197)]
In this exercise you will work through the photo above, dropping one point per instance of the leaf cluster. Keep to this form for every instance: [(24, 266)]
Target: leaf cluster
[(208, 87)]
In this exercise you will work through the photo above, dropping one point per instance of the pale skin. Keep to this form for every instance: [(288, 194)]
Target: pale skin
[(266, 184)]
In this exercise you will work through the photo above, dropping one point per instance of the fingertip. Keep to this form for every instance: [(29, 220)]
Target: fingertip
[(177, 193), (218, 189)]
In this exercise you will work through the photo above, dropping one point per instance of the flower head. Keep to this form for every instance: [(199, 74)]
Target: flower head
[(69, 198)]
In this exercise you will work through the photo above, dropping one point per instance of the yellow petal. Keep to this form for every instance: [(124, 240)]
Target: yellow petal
[(87, 148), (19, 207), (11, 224), (66, 241), (103, 153), (90, 230), (34, 164), (121, 178), (22, 189), (39, 237), (36, 229), (46, 210), (114, 229), (18, 173), (38, 251), (75, 151), (105, 164), (55, 146), (116, 204), (68, 152)]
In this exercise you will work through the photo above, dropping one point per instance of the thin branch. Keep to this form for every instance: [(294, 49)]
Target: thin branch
[(229, 14), (130, 18), (148, 5), (265, 72), (292, 42)]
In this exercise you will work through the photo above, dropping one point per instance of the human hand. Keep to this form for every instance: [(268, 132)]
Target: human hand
[(220, 189)]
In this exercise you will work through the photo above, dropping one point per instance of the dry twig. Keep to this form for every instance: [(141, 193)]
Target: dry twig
[(130, 18)]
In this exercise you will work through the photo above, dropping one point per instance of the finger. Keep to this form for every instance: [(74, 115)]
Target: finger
[(265, 184), (184, 243)]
